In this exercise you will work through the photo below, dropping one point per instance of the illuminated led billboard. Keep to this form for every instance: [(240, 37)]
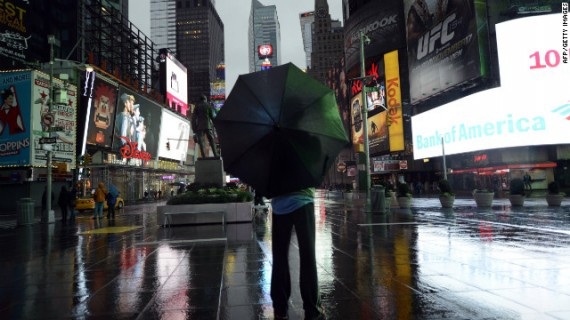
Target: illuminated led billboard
[(530, 108)]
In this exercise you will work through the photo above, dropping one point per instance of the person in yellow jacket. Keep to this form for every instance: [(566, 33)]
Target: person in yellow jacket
[(99, 197)]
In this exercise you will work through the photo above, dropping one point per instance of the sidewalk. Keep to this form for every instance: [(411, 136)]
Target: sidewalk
[(422, 263)]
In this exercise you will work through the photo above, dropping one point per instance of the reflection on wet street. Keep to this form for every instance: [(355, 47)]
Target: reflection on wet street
[(419, 263)]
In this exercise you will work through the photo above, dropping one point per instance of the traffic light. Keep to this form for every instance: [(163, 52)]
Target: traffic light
[(168, 145)]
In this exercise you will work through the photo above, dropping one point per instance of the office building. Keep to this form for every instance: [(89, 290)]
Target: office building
[(327, 39), (307, 19), (264, 30), (163, 24), (199, 44)]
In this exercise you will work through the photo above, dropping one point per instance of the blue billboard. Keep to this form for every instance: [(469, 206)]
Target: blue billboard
[(15, 101)]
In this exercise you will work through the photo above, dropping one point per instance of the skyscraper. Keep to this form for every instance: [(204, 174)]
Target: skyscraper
[(327, 42), (307, 19), (199, 44), (263, 29), (163, 24)]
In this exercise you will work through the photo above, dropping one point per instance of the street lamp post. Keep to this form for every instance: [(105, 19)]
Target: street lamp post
[(49, 216), (363, 39)]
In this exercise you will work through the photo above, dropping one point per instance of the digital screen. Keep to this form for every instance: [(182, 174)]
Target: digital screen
[(176, 131), (176, 86), (530, 108)]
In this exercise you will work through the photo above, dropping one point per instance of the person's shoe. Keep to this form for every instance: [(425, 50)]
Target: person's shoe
[(280, 317)]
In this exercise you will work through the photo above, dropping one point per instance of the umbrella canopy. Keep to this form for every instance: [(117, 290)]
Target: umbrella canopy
[(279, 130), (113, 190)]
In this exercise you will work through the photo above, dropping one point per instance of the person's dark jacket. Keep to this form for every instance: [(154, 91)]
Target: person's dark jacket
[(63, 200), (111, 200)]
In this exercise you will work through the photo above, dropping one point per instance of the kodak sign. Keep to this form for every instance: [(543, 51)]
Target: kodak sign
[(394, 97)]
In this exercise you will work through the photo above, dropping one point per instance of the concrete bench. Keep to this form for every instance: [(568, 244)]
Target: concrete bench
[(197, 217)]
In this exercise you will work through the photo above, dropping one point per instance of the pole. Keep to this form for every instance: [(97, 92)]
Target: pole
[(444, 165), (51, 40), (365, 121)]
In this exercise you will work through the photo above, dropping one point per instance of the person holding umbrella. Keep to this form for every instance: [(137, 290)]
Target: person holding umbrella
[(294, 210), (111, 198), (280, 131)]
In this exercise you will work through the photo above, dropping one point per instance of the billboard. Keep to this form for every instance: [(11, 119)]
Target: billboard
[(101, 115), (137, 126), (176, 131), (15, 94), (265, 51), (62, 115), (176, 85), (443, 48), (356, 112), (15, 30), (382, 22), (507, 116), (394, 117), (376, 96), (378, 133)]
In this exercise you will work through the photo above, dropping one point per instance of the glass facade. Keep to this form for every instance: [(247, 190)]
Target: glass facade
[(199, 44), (163, 24), (263, 29)]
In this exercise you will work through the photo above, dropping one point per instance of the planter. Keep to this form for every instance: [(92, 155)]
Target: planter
[(447, 200), (404, 202), (483, 199), (234, 212), (554, 200), (517, 200)]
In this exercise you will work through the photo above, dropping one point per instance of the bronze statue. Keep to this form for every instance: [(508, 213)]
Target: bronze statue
[(202, 125)]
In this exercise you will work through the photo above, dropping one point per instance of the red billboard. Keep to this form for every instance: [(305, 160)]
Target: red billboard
[(265, 51)]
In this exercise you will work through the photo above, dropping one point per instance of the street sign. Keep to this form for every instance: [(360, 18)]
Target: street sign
[(341, 167), (55, 129), (48, 140)]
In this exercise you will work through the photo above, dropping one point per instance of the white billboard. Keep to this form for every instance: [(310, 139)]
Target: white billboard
[(176, 131), (176, 85), (532, 106)]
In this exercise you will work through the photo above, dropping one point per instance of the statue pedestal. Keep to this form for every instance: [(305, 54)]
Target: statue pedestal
[(210, 170)]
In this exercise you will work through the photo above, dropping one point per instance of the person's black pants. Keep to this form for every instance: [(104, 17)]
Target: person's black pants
[(63, 213), (303, 219), (110, 211)]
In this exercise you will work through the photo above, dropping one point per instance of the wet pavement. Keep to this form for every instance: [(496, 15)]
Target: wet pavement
[(420, 263)]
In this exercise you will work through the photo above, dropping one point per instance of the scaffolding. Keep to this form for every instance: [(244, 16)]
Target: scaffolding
[(115, 45)]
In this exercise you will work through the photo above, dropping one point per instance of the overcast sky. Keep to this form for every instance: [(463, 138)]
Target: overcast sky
[(235, 16)]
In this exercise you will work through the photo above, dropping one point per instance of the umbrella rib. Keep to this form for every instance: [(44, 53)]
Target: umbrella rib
[(260, 103)]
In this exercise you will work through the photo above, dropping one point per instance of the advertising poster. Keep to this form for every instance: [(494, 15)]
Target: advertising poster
[(15, 30), (378, 133), (531, 55), (15, 96), (102, 114), (137, 126), (376, 96), (443, 48), (62, 116), (356, 112), (394, 119), (176, 85), (382, 22), (176, 131)]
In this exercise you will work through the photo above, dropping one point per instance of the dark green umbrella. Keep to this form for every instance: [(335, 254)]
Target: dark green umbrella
[(279, 130)]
